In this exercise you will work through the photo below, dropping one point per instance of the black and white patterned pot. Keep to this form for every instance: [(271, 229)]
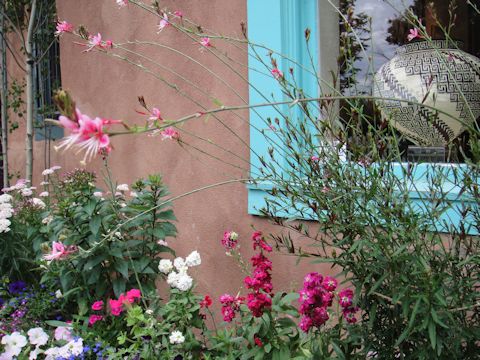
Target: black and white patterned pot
[(436, 74)]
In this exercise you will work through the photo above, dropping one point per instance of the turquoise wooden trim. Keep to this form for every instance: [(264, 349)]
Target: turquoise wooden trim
[(279, 25)]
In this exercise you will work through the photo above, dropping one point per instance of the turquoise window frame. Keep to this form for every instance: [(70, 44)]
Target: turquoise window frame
[(280, 26), (283, 32)]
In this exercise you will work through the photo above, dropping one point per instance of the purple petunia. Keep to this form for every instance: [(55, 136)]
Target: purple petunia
[(17, 287)]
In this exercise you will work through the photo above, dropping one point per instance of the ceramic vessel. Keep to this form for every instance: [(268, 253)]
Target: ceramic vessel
[(433, 73)]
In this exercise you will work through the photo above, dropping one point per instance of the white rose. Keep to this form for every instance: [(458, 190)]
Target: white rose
[(193, 259), (98, 194), (44, 194), (165, 266), (47, 172)]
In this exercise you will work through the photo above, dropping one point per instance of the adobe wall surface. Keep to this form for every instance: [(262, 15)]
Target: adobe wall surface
[(108, 87)]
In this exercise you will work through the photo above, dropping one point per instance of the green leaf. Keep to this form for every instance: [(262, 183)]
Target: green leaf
[(140, 265), (377, 284), (287, 299), (93, 278), (94, 262), (432, 334), (122, 268), (94, 225), (166, 215), (119, 286), (436, 319), (56, 323), (158, 232), (338, 350), (217, 102), (90, 207)]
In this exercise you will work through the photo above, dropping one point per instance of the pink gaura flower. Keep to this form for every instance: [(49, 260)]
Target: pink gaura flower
[(277, 74), (156, 115), (205, 42), (163, 23), (170, 133), (414, 34), (132, 295), (96, 41), (63, 27), (97, 305), (60, 251), (178, 14), (315, 158), (93, 319), (86, 134)]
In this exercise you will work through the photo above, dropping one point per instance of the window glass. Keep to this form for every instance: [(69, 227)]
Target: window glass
[(371, 31)]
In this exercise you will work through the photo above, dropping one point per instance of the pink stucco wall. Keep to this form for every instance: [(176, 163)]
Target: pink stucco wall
[(108, 87)]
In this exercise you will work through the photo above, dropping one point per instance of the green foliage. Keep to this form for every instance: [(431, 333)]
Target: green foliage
[(15, 102), (418, 288), (117, 237)]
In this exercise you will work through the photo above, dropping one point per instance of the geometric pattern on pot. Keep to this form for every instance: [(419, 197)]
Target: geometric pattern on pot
[(436, 74)]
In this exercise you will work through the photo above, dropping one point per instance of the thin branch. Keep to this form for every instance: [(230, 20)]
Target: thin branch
[(14, 53)]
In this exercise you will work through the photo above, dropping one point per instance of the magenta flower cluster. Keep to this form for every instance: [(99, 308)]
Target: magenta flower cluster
[(317, 296), (261, 280), (345, 299), (230, 240), (230, 306)]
